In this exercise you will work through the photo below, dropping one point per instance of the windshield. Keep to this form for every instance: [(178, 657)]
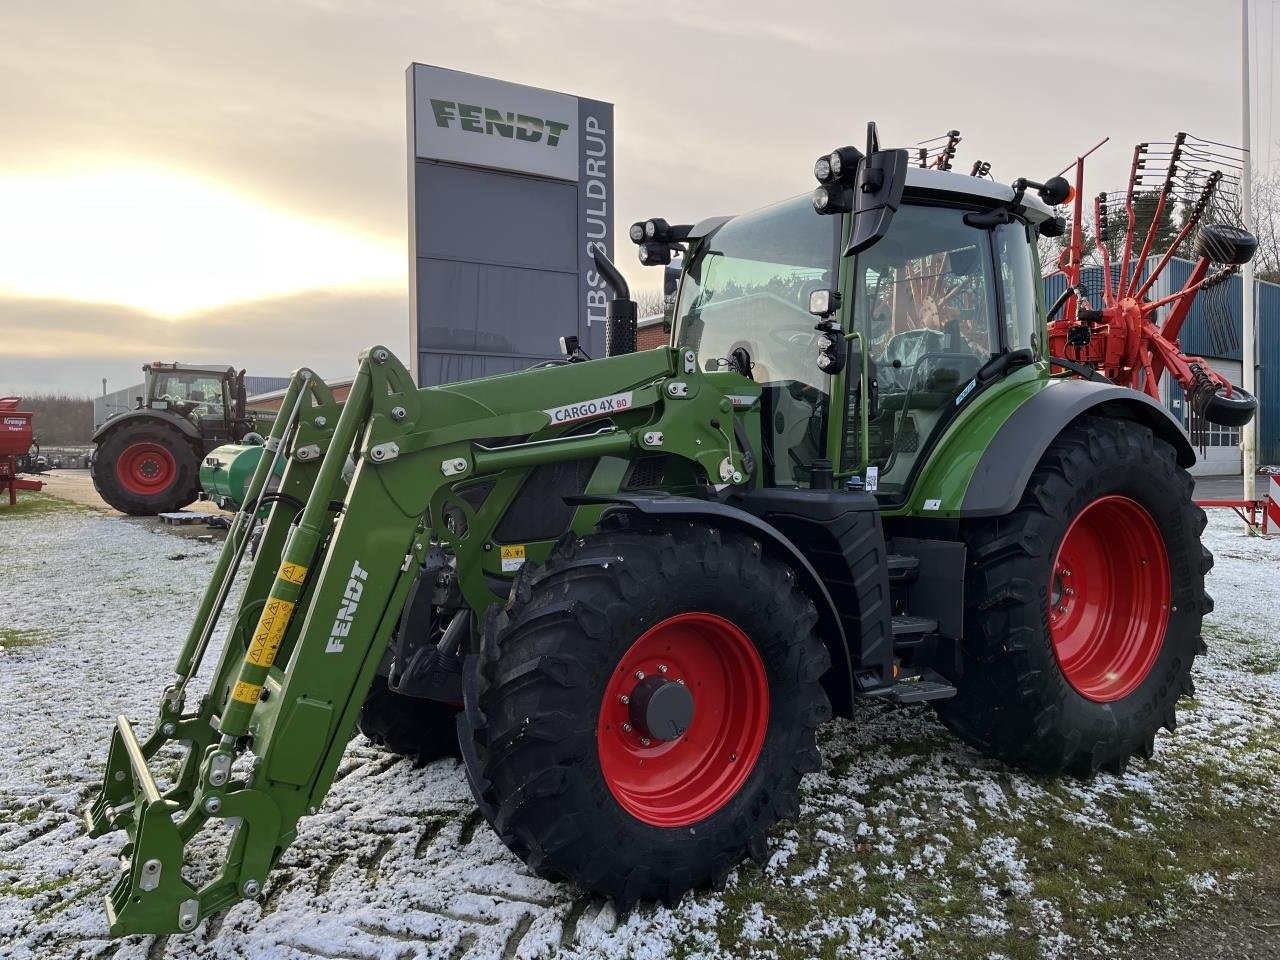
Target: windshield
[(748, 288), (189, 392)]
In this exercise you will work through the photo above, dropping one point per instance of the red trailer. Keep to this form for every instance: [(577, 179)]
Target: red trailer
[(16, 438)]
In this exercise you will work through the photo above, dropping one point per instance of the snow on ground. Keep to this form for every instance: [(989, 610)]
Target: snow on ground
[(909, 844)]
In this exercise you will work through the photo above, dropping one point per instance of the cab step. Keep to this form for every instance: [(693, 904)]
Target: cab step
[(928, 686), (903, 568), (909, 628)]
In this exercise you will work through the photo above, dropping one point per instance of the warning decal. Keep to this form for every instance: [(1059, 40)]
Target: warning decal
[(292, 572), (271, 627), (246, 692), (512, 558)]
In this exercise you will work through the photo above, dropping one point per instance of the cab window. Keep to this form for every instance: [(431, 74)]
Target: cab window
[(747, 289), (925, 302), (1018, 284)]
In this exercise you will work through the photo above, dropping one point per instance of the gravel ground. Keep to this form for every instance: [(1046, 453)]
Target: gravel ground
[(909, 844)]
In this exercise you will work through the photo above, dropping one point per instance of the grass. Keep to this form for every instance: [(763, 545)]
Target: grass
[(1097, 862), (11, 638), (37, 505)]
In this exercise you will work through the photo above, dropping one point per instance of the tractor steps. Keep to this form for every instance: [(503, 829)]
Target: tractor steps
[(928, 686), (908, 629), (902, 568)]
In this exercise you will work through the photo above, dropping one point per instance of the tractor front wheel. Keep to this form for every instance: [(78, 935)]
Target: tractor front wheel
[(643, 709), (423, 730), (145, 468), (1084, 606)]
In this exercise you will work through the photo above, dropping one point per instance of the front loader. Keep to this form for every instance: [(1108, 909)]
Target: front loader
[(638, 584)]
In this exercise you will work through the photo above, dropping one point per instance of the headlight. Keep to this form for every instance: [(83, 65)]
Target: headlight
[(824, 343), (835, 164), (821, 199), (822, 169), (657, 229), (820, 302), (825, 362), (636, 232)]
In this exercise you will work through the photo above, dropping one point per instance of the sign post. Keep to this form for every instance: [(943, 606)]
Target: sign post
[(510, 193)]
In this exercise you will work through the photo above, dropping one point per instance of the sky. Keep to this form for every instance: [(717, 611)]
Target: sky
[(226, 181)]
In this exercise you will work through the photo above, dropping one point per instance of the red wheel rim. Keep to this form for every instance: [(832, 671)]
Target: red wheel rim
[(146, 468), (676, 782), (1109, 598)]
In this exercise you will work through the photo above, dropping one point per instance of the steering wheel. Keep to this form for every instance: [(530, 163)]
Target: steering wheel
[(794, 336)]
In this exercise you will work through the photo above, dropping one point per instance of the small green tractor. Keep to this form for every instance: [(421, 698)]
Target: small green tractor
[(147, 461), (628, 591)]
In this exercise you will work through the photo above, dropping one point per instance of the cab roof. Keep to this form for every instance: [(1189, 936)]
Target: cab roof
[(962, 186)]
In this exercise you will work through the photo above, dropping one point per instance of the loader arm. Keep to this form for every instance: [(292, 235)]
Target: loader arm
[(343, 538)]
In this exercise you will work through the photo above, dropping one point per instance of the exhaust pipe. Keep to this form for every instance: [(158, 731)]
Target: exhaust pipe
[(620, 312)]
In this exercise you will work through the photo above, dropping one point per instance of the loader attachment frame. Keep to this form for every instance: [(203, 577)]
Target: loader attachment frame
[(344, 535)]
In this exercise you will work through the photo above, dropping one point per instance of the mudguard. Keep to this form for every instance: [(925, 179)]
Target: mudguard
[(724, 515), (1006, 465), (181, 424)]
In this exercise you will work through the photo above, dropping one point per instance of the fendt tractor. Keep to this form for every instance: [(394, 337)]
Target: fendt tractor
[(628, 590), (147, 461)]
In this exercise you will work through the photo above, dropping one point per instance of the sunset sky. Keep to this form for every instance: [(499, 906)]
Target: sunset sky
[(225, 181)]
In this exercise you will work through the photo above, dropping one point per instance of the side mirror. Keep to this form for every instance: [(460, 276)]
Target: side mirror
[(876, 198)]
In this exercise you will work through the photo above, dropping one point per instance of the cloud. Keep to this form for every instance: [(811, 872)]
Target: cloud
[(70, 346)]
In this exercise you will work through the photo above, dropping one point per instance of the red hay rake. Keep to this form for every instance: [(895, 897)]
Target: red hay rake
[(1128, 337)]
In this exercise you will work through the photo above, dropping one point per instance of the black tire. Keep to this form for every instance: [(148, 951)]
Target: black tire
[(1014, 700), (425, 730), (182, 489), (534, 699), (1223, 243), (1233, 411)]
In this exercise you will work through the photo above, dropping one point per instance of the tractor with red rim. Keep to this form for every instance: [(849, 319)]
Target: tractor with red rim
[(627, 591), (147, 460)]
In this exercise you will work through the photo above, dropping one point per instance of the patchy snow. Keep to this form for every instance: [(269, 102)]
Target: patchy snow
[(909, 833)]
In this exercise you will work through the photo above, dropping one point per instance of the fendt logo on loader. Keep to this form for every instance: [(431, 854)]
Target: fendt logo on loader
[(347, 612)]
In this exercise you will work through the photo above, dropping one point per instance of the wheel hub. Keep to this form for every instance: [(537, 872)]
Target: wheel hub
[(661, 709), (683, 719), (1109, 598)]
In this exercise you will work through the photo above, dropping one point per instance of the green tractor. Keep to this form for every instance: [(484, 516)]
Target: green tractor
[(147, 461), (628, 591)]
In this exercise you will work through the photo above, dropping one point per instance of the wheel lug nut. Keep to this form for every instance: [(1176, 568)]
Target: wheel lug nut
[(1066, 573), (681, 682), (626, 728), (639, 674), (662, 668), (1069, 592), (624, 698), (1062, 609), (644, 741)]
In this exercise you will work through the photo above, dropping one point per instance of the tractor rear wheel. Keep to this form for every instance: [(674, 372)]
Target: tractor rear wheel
[(145, 468), (643, 709), (1084, 606), (422, 729)]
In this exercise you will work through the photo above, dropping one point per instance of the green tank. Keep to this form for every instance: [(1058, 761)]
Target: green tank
[(226, 470)]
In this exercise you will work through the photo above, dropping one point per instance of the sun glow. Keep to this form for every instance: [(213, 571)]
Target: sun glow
[(170, 244)]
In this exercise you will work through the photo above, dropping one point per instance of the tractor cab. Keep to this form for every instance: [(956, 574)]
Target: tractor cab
[(212, 398), (927, 310)]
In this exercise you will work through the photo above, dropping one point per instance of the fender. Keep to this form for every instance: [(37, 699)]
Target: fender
[(1005, 467), (724, 515), (182, 424)]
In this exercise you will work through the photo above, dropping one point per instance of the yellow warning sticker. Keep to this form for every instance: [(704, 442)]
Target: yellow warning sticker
[(512, 558), (292, 572), (271, 627), (246, 692)]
